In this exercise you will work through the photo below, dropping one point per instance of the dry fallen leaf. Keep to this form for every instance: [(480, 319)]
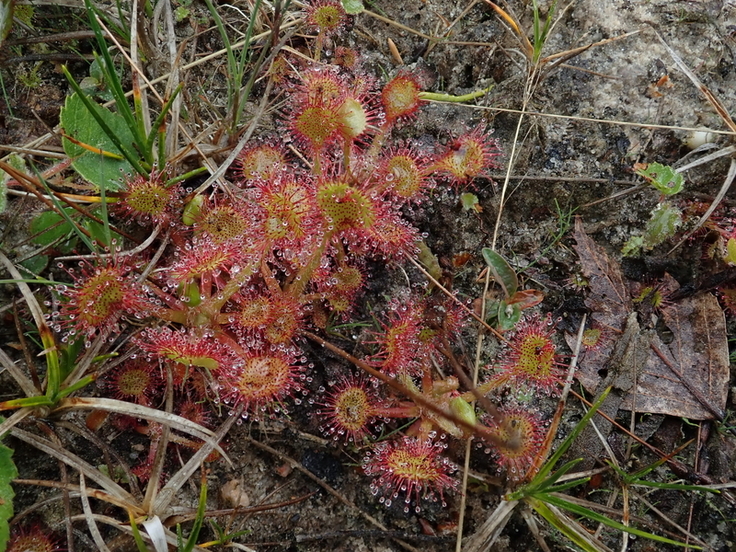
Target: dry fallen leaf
[(687, 376), (608, 301)]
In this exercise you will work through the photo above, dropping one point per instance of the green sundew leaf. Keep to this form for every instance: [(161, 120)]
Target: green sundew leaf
[(666, 219), (662, 177), (79, 123), (469, 201), (353, 7), (8, 472), (502, 271)]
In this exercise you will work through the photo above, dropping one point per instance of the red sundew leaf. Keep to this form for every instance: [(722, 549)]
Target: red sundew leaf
[(689, 377)]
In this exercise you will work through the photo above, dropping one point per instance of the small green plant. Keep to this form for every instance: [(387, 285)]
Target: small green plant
[(666, 218), (541, 31), (505, 313), (239, 66), (104, 145), (544, 491)]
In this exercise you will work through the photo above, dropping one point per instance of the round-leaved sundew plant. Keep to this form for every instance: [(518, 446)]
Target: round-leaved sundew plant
[(531, 359), (222, 222), (261, 161), (399, 339), (520, 433), (339, 286), (149, 199), (261, 380), (327, 17), (204, 260), (315, 120), (31, 538), (400, 97), (468, 156), (99, 297), (349, 409), (414, 468), (344, 207), (186, 347), (135, 380), (286, 217), (402, 174)]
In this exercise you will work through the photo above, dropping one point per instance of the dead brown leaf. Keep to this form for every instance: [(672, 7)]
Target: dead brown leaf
[(689, 376), (686, 376), (608, 301)]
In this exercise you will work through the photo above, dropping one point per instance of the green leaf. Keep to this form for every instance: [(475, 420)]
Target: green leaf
[(502, 271), (98, 232), (353, 7), (49, 227), (633, 246), (662, 177), (666, 218), (508, 315), (35, 264), (543, 479), (562, 526), (600, 518), (469, 201), (6, 18), (730, 257), (79, 123), (17, 162), (198, 521), (8, 472), (429, 260)]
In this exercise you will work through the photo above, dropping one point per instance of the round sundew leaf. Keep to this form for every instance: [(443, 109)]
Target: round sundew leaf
[(104, 172)]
